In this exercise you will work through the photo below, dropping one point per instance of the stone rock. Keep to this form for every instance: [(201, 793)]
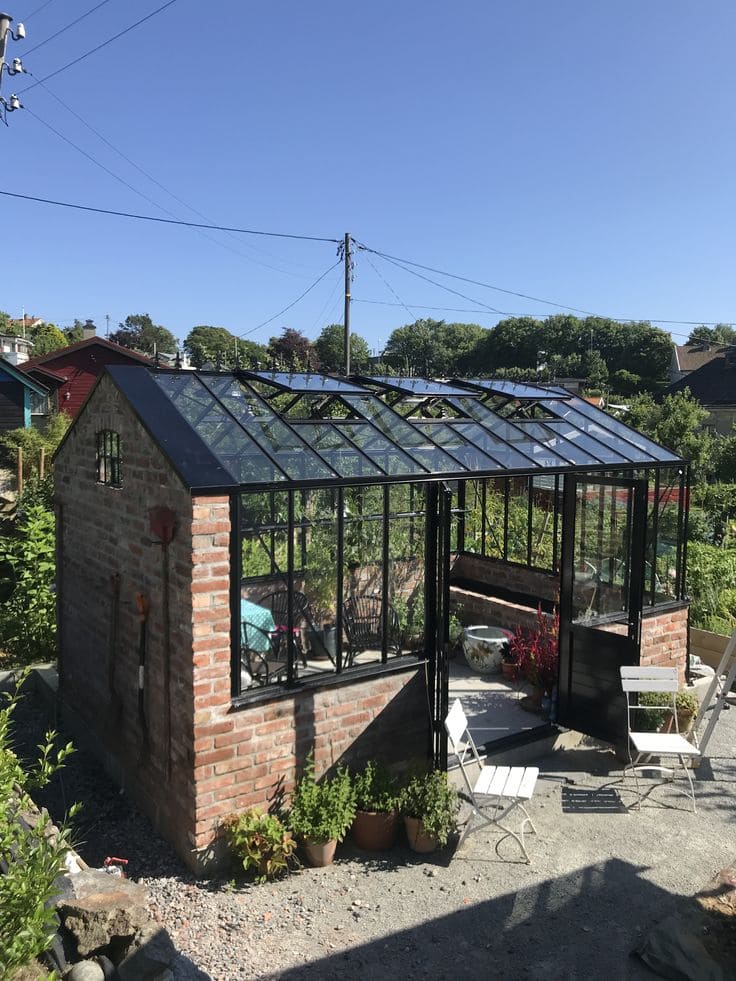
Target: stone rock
[(99, 910), (150, 957), (86, 971)]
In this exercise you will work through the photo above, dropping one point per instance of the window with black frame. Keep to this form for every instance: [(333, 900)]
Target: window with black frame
[(109, 459)]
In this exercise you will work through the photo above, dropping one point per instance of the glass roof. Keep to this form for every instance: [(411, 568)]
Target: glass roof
[(220, 433), (515, 390), (424, 387)]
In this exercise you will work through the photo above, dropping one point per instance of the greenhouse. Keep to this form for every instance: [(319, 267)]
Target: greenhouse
[(333, 529)]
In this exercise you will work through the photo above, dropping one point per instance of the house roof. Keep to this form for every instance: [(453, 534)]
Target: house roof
[(714, 383), (15, 373), (52, 356), (262, 430), (690, 357), (38, 369)]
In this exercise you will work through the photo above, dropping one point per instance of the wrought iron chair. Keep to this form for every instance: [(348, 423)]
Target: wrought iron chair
[(646, 744), (363, 623), (501, 788), (278, 603)]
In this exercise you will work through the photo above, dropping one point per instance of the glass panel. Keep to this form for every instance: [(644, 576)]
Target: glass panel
[(450, 436), (602, 550), (601, 451), (661, 568), (518, 520), (337, 450), (402, 432), (390, 458), (419, 386), (303, 382), (316, 586), (363, 576), (507, 456), (517, 390), (406, 567), (221, 434), (258, 419), (551, 439), (579, 411), (546, 504), (534, 451)]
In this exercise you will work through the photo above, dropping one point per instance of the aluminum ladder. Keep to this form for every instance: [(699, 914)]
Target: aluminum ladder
[(717, 693)]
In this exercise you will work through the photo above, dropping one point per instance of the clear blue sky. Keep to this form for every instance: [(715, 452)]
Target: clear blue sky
[(578, 152)]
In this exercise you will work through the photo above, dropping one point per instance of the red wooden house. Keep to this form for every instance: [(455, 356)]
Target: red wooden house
[(70, 372)]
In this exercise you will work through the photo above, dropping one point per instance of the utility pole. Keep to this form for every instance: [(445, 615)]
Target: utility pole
[(348, 270), (9, 105), (107, 327)]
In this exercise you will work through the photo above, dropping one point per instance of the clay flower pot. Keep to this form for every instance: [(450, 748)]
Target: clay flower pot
[(418, 840), (319, 853), (509, 670), (375, 831)]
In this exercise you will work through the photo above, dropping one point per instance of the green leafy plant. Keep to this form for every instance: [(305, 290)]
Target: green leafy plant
[(27, 615), (261, 842), (659, 709), (434, 801), (322, 811), (375, 789), (32, 853)]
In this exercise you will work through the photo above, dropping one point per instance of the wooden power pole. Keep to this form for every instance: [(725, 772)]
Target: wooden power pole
[(348, 270)]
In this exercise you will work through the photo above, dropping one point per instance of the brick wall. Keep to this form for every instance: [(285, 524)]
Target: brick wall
[(518, 578), (104, 552)]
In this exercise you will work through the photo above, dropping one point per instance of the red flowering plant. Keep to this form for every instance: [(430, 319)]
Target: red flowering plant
[(536, 651)]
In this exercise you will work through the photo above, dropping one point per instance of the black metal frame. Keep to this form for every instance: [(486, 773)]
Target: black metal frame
[(109, 459)]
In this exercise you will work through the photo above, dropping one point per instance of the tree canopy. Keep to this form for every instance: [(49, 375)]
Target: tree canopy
[(434, 347), (47, 338), (720, 334), (138, 331), (294, 350), (218, 347), (330, 348), (676, 422)]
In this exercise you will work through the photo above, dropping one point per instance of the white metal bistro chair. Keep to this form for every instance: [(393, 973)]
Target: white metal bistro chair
[(500, 788), (646, 744)]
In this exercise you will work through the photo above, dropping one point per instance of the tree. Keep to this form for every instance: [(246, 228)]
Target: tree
[(218, 347), (676, 422), (47, 338), (294, 350), (4, 321), (138, 331), (720, 334), (330, 348), (75, 333)]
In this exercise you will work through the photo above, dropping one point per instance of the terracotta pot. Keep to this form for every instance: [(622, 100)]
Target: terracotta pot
[(319, 853), (509, 670), (418, 840), (533, 701), (375, 830)]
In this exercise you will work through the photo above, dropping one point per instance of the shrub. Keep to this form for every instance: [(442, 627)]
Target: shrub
[(711, 584), (375, 789), (659, 709), (261, 842), (34, 857), (536, 651), (27, 614), (322, 811), (434, 801)]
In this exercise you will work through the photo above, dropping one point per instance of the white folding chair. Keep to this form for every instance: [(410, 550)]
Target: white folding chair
[(665, 681), (501, 788)]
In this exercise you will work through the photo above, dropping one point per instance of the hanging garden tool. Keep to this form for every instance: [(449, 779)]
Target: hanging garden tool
[(143, 607)]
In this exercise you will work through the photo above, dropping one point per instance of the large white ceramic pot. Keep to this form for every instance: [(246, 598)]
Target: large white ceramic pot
[(483, 648)]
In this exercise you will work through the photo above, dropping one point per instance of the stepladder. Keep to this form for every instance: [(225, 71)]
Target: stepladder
[(717, 695)]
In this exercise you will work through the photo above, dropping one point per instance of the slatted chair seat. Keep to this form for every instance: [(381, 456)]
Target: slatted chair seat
[(500, 788), (665, 682)]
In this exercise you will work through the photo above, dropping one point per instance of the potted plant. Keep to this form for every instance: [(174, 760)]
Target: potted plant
[(658, 712), (429, 805), (321, 813), (537, 653), (509, 664), (376, 820), (261, 842)]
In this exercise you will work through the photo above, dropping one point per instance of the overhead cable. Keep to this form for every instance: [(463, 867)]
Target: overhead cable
[(294, 303), (99, 47), (64, 29), (37, 10), (167, 221)]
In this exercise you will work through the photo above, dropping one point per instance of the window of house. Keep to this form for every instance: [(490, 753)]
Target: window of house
[(108, 458)]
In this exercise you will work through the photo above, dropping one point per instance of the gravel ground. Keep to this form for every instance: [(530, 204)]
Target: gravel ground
[(601, 875)]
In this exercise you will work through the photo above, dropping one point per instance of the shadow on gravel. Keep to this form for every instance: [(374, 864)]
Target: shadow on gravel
[(576, 926)]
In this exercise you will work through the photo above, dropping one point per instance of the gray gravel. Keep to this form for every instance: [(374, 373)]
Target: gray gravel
[(601, 875)]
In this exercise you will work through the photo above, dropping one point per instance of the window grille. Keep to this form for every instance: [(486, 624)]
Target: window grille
[(109, 463)]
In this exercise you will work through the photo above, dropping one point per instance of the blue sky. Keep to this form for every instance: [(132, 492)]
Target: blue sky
[(581, 153)]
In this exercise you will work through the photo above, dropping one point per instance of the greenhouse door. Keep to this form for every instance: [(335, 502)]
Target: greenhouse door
[(437, 605), (603, 544)]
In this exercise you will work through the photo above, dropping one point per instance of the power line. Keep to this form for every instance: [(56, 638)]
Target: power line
[(388, 286), (166, 221), (166, 211), (37, 10), (294, 303), (448, 289), (474, 282), (99, 47), (66, 28)]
